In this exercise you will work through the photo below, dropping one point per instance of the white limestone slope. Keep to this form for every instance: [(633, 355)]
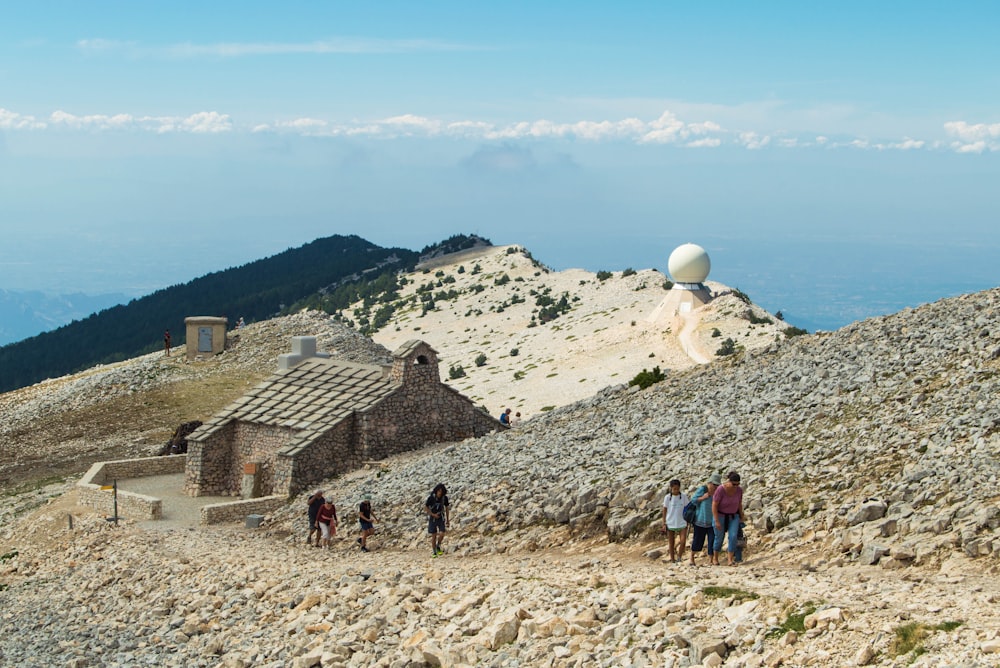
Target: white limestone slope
[(615, 328)]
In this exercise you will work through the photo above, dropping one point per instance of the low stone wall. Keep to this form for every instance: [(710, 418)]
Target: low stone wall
[(131, 505), (236, 511)]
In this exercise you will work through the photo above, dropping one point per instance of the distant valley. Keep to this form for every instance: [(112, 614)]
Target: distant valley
[(26, 313)]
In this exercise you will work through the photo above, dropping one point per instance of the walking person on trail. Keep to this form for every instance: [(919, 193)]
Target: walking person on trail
[(727, 511), (327, 520), (314, 502), (673, 520), (367, 520), (438, 517), (704, 531)]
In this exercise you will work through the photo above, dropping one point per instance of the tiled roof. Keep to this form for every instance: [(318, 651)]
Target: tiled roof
[(312, 397)]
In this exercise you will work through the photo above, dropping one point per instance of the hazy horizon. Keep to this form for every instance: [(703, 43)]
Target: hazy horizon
[(835, 161)]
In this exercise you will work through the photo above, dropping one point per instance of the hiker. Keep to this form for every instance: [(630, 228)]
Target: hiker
[(514, 421), (314, 502), (505, 418), (727, 513), (438, 517), (673, 520), (367, 520), (166, 343), (703, 531), (327, 520)]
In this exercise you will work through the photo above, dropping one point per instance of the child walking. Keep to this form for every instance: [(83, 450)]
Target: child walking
[(673, 520)]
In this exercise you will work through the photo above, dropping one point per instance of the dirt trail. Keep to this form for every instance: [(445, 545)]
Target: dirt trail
[(689, 345)]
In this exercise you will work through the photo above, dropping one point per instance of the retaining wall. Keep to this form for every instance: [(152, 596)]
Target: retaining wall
[(131, 505), (236, 511)]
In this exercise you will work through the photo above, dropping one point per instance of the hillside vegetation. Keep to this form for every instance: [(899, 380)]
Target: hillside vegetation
[(254, 291)]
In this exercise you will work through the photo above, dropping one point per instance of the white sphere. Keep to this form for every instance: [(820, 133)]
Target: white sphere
[(689, 264)]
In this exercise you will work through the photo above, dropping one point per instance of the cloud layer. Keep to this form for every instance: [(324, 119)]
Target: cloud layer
[(667, 129)]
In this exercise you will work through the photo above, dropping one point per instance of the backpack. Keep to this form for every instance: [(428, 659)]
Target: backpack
[(690, 512)]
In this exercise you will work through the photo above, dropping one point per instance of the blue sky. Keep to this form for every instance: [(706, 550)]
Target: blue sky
[(810, 148)]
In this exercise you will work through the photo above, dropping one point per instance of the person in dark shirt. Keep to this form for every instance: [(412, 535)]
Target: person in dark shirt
[(438, 517), (367, 519), (314, 501), (166, 343), (505, 418)]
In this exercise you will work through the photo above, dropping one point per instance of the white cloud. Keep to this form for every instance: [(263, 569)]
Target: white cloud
[(908, 144), (340, 45), (199, 123), (974, 147), (708, 142), (10, 120), (666, 129), (972, 133), (754, 141)]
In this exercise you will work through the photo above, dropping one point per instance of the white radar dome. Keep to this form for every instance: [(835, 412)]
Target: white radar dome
[(689, 264)]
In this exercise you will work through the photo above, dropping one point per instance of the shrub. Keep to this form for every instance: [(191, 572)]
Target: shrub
[(461, 269), (604, 275), (476, 269), (780, 316), (755, 320), (456, 371), (667, 284), (628, 272), (646, 378), (794, 331), (716, 333), (514, 352), (518, 375), (481, 359), (503, 280), (728, 347), (742, 296)]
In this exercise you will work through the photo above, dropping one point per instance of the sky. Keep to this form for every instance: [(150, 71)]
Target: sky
[(836, 160)]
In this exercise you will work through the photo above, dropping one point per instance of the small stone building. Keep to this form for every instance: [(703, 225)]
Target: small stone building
[(319, 417), (205, 335)]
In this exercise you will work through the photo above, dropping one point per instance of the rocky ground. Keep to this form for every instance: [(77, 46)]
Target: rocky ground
[(870, 457)]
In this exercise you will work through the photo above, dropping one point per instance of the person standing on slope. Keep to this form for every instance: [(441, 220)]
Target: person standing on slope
[(438, 517), (703, 531), (327, 520), (314, 502), (673, 520), (367, 520), (727, 512)]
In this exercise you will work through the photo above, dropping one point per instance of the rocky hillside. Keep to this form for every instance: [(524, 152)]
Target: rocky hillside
[(513, 333), (870, 458), (130, 409)]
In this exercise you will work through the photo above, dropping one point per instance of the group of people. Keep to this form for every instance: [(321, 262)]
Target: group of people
[(508, 420), (716, 516), (714, 510), (323, 519)]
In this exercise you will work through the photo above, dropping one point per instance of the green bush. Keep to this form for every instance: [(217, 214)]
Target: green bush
[(667, 284), (794, 331), (728, 347), (604, 275), (514, 352), (628, 272), (742, 296), (646, 378), (716, 333), (456, 371), (481, 359)]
